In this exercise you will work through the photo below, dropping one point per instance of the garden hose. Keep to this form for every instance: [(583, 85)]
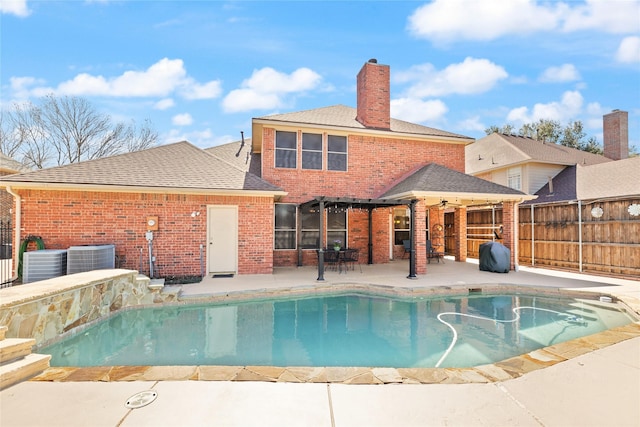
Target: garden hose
[(23, 247)]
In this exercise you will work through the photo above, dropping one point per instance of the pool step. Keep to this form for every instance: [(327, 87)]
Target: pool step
[(17, 363), (15, 348), (23, 369)]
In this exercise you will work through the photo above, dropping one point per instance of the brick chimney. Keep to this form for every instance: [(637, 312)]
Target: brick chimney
[(374, 109), (615, 127)]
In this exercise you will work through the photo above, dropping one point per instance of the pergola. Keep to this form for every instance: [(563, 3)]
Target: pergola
[(322, 203)]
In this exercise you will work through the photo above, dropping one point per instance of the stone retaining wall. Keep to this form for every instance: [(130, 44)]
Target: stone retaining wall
[(43, 310)]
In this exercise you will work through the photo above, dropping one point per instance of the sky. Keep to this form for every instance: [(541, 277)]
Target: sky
[(201, 70)]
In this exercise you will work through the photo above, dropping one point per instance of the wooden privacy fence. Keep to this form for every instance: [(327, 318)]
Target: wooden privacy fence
[(594, 236)]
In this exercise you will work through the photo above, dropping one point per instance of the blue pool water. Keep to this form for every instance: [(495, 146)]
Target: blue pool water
[(346, 330)]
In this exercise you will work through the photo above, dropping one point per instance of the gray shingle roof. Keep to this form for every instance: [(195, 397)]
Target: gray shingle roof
[(564, 188), (238, 155), (173, 166), (345, 117), (438, 178), (614, 179)]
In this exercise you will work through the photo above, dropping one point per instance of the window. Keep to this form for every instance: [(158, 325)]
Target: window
[(337, 153), (286, 149), (336, 227), (312, 151), (401, 223), (514, 178), (285, 227), (310, 220)]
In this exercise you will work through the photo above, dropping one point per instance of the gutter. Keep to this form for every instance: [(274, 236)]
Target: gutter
[(17, 226)]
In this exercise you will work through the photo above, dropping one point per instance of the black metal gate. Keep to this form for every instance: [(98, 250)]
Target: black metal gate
[(6, 253)]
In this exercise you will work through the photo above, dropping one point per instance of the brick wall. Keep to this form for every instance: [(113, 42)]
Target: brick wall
[(374, 165), (69, 218)]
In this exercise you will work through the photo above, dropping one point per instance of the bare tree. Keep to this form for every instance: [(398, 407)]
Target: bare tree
[(64, 130)]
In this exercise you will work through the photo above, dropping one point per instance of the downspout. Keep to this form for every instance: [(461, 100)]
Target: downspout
[(17, 226), (320, 244), (580, 236)]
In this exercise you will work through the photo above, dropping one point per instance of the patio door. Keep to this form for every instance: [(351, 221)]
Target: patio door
[(223, 239)]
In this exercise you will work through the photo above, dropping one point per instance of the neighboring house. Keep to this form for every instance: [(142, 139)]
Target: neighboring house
[(559, 228), (587, 218), (8, 166), (302, 181), (522, 163)]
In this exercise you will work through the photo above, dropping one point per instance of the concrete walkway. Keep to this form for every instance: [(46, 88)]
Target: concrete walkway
[(601, 388)]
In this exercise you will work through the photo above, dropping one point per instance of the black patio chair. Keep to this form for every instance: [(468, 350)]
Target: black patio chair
[(407, 247), (432, 253), (331, 259), (351, 257)]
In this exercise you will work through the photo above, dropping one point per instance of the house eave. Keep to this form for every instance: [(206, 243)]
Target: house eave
[(259, 124), (140, 189), (463, 199)]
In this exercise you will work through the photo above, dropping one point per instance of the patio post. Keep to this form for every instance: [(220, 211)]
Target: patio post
[(320, 251), (412, 239)]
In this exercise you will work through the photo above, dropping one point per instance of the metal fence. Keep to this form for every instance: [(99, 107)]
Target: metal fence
[(6, 253)]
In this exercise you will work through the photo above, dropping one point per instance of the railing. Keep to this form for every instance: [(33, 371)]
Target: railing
[(6, 253)]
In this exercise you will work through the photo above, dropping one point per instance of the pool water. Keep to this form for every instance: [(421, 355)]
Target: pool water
[(345, 330)]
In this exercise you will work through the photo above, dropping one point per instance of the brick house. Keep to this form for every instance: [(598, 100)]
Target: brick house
[(303, 180)]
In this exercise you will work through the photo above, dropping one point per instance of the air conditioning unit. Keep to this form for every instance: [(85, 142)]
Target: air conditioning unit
[(88, 258), (43, 264)]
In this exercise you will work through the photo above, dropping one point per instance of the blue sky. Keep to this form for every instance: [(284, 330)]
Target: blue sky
[(200, 70)]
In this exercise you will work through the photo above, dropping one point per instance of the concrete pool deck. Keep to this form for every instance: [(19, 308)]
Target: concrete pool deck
[(598, 388)]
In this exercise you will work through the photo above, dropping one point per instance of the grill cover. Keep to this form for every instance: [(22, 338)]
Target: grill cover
[(495, 257)]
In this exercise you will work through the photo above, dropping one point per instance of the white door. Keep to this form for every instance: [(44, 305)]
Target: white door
[(223, 239)]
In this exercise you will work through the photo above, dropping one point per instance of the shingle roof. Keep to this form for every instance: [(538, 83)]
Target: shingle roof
[(9, 165), (497, 151), (437, 178), (613, 179), (238, 155), (178, 166), (618, 178), (564, 188), (345, 117)]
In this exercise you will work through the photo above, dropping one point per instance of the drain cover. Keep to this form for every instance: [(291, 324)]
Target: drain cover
[(141, 399)]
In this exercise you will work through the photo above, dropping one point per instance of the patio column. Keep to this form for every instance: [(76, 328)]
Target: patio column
[(460, 231), (320, 244), (510, 230), (420, 237)]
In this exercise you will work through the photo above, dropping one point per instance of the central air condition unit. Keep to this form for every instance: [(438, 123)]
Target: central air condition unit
[(88, 258), (43, 264)]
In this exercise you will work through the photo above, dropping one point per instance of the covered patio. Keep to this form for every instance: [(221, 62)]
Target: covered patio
[(428, 192)]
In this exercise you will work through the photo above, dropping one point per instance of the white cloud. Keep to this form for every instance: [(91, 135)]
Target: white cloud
[(418, 111), (164, 104), (617, 17), (160, 79), (563, 73), (268, 88), (15, 7), (193, 90), (562, 111), (448, 20), (472, 124), (472, 76), (451, 20), (184, 119), (629, 50), (201, 138)]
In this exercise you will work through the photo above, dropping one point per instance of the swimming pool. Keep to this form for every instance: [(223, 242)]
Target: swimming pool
[(354, 329)]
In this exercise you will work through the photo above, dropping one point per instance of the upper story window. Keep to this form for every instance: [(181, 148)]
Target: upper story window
[(337, 153), (286, 149), (312, 151), (514, 178)]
